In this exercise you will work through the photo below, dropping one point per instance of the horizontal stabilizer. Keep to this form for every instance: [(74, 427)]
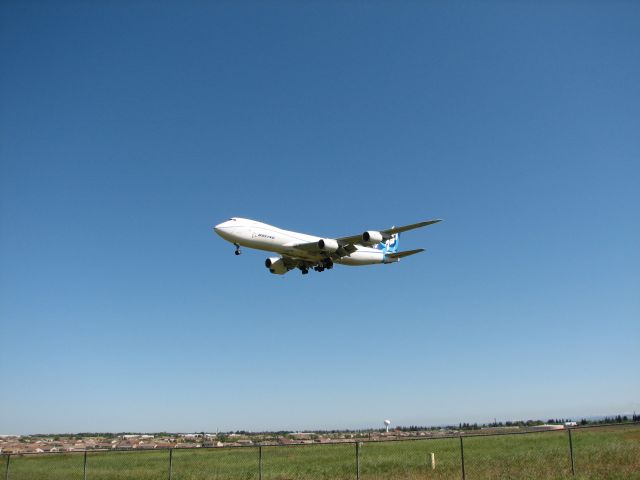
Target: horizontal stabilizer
[(406, 253)]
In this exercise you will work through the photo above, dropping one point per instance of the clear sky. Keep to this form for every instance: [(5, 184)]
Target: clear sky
[(129, 129)]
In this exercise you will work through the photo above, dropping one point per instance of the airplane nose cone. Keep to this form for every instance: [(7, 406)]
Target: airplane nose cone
[(222, 229), (225, 229)]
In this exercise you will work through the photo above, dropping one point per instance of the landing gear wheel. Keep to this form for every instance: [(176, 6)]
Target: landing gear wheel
[(237, 252), (304, 271)]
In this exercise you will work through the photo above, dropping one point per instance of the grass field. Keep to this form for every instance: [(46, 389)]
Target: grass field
[(599, 453)]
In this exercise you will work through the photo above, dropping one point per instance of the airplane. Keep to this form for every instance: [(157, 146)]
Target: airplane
[(302, 251)]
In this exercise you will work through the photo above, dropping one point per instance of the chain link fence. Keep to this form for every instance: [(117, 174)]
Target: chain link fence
[(598, 452)]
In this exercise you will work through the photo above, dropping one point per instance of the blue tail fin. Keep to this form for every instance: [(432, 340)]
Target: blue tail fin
[(391, 245)]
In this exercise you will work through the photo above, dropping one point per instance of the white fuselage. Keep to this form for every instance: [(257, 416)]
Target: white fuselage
[(261, 236)]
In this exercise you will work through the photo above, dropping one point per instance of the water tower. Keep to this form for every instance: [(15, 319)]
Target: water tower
[(386, 425)]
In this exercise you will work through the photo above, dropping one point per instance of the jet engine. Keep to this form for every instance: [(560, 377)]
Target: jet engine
[(328, 245), (371, 237), (276, 265)]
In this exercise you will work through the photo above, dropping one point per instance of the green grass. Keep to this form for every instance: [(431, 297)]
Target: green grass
[(536, 455), (599, 453), (617, 458)]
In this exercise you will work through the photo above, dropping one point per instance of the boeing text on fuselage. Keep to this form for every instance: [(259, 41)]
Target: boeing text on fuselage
[(305, 252)]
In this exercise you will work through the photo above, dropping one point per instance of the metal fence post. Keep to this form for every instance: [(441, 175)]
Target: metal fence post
[(260, 462), (573, 466), (84, 466), (357, 460), (170, 463), (6, 470), (462, 457)]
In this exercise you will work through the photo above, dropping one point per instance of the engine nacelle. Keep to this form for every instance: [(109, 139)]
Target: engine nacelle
[(276, 265), (328, 245), (371, 237)]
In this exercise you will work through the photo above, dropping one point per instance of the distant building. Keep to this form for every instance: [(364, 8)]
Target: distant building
[(548, 427)]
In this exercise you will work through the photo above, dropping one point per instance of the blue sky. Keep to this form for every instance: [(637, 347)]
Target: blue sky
[(128, 131)]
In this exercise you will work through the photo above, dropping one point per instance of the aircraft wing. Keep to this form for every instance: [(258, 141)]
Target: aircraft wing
[(290, 262), (347, 245), (355, 239), (314, 249)]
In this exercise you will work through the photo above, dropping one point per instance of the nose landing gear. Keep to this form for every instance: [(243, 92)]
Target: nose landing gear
[(237, 252)]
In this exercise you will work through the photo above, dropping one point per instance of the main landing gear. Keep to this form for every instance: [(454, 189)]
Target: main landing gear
[(325, 264), (237, 252)]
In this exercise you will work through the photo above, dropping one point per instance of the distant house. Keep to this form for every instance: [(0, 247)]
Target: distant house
[(302, 435), (164, 445)]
